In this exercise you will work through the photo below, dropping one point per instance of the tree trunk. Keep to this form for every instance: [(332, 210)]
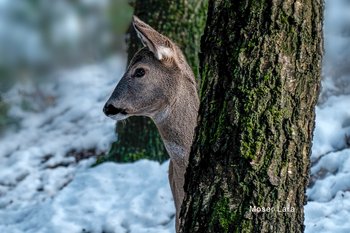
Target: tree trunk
[(260, 69), (183, 22), (3, 115)]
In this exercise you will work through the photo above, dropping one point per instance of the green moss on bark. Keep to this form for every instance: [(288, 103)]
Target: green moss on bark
[(260, 71), (223, 214)]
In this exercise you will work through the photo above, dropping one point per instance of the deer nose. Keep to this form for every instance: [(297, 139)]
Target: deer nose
[(110, 110)]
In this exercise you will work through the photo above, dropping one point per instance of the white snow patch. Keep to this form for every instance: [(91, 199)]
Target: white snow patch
[(332, 125), (332, 216), (112, 197)]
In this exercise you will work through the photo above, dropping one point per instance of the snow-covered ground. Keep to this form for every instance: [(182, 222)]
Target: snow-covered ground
[(328, 207), (46, 182)]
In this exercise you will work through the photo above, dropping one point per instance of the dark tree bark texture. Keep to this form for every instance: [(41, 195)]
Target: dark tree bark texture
[(183, 22), (260, 69)]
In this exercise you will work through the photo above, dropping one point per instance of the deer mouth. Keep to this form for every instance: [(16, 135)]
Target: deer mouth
[(121, 114), (115, 113), (121, 111)]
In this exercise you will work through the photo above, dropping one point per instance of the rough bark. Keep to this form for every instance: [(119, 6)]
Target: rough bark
[(182, 21), (260, 69)]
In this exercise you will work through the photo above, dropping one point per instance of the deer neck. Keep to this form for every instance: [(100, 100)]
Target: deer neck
[(177, 121)]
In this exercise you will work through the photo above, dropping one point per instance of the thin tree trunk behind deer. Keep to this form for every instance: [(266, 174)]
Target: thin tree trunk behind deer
[(260, 71)]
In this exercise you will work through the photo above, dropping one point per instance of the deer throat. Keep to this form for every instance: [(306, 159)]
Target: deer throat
[(176, 151), (176, 127)]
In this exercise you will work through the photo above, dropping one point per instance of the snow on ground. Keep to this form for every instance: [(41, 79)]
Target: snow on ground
[(46, 184), (112, 197), (328, 207)]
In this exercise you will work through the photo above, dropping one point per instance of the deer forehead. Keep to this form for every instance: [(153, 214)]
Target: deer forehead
[(144, 58)]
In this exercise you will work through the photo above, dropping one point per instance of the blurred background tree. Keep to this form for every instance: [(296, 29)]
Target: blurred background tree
[(183, 22)]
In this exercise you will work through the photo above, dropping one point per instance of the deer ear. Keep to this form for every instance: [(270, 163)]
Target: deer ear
[(159, 45)]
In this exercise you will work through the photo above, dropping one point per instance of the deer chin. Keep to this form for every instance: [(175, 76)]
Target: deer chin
[(119, 117)]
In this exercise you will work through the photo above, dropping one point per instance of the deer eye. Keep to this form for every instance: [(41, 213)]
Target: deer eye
[(139, 72)]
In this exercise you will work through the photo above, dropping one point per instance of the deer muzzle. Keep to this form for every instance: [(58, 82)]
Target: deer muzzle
[(110, 110)]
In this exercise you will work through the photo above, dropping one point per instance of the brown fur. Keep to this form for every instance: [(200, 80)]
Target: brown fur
[(167, 94)]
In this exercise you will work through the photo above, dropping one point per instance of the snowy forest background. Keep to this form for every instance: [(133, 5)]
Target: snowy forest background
[(59, 62)]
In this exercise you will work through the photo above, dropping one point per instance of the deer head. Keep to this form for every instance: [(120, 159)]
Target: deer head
[(151, 81)]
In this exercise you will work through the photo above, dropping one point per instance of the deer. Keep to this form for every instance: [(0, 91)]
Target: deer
[(159, 84)]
